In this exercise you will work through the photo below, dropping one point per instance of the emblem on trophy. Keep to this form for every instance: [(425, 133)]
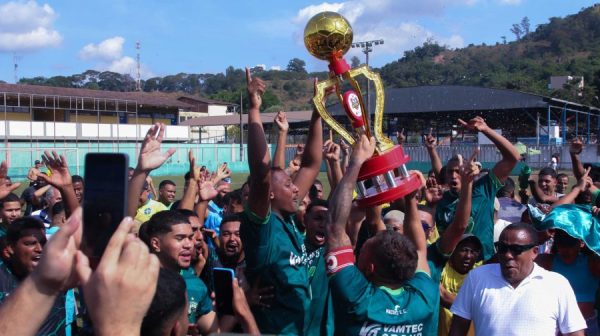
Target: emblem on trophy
[(384, 177)]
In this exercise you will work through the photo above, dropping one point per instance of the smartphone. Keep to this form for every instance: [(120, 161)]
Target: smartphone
[(223, 284), (104, 200)]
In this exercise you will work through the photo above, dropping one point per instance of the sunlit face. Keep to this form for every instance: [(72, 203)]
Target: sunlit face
[(548, 184), (25, 254), (199, 243), (465, 256), (284, 193), (453, 176), (10, 211), (143, 197), (230, 241), (319, 188), (562, 184), (78, 189), (315, 221), (167, 193), (174, 249), (516, 267)]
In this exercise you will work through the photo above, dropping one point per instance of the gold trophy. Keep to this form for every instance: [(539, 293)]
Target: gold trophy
[(384, 177)]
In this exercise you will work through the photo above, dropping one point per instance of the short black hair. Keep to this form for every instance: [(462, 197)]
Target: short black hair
[(160, 223), (16, 230), (561, 175), (12, 197), (231, 218), (235, 196), (163, 183), (547, 171), (76, 178), (508, 189), (395, 256), (531, 231), (58, 207), (168, 301), (187, 212), (187, 176), (317, 202)]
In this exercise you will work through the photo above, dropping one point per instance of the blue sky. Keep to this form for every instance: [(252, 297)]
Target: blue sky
[(205, 36)]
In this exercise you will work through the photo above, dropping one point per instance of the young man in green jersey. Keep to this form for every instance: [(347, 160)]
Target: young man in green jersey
[(274, 248), (389, 290), (484, 189)]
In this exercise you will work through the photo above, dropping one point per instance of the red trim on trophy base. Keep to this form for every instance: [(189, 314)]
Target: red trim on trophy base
[(384, 162), (405, 186)]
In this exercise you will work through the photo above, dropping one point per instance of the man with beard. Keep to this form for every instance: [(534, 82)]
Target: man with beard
[(484, 189), (274, 248), (171, 238), (10, 210), (230, 250), (25, 241), (78, 187)]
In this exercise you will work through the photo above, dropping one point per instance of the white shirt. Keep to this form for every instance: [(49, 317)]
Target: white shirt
[(542, 303)]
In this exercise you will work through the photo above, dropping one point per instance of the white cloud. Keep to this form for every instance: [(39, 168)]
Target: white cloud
[(388, 20), (27, 26), (107, 50)]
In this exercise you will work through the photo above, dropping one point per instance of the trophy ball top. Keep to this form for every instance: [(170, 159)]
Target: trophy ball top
[(327, 33)]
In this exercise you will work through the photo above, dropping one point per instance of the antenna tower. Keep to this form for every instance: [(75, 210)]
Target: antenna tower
[(138, 82)]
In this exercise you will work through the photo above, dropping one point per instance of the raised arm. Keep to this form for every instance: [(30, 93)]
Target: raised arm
[(313, 155), (283, 127), (331, 150), (258, 155), (60, 179), (4, 189), (413, 229), (149, 159), (584, 183), (455, 230), (341, 199), (574, 150), (436, 162), (510, 155)]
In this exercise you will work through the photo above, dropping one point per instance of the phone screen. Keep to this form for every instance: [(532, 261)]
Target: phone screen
[(223, 284), (104, 200)]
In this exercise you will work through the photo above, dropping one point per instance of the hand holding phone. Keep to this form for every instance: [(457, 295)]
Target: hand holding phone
[(223, 284)]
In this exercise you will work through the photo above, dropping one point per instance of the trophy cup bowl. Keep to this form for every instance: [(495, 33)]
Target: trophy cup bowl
[(382, 178)]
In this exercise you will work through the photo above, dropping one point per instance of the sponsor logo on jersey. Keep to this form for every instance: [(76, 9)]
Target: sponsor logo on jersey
[(376, 329)]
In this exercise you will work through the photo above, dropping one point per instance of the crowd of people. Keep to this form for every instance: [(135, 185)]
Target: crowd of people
[(469, 253)]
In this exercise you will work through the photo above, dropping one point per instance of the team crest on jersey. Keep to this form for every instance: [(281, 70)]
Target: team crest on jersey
[(396, 311)]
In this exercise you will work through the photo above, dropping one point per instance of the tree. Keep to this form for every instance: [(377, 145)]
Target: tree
[(525, 26), (517, 30), (355, 62), (503, 39), (296, 65)]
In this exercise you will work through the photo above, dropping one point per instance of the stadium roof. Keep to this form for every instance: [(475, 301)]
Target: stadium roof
[(142, 98), (234, 119), (452, 98)]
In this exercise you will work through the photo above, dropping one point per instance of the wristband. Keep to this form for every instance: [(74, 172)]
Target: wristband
[(339, 258)]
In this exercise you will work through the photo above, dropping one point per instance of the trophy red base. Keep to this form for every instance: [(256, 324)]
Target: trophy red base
[(384, 178)]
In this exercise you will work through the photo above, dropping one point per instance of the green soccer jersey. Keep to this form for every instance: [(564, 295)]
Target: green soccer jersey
[(362, 308), (276, 256), (481, 223), (198, 297), (320, 317)]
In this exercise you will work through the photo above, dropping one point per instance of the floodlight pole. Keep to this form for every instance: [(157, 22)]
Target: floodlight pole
[(367, 47)]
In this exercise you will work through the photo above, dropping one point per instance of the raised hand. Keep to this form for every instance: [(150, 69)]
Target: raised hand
[(585, 182), (56, 270), (429, 140), (207, 191), (363, 149), (331, 151), (282, 122), (222, 172), (4, 188), (151, 156), (400, 136), (476, 124), (256, 88), (119, 292), (195, 171), (468, 170), (576, 146)]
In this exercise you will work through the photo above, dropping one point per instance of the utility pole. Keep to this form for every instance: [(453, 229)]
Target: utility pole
[(241, 127), (138, 81), (367, 47)]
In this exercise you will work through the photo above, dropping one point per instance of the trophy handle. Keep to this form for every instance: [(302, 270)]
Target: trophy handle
[(320, 106), (383, 143)]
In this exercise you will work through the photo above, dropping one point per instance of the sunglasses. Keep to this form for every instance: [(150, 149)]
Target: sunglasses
[(514, 249)]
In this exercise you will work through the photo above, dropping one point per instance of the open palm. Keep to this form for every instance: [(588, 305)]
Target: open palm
[(150, 155)]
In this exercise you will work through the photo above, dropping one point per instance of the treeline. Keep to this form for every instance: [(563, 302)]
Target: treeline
[(561, 47)]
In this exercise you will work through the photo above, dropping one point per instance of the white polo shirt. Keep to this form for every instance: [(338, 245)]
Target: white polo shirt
[(542, 304)]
